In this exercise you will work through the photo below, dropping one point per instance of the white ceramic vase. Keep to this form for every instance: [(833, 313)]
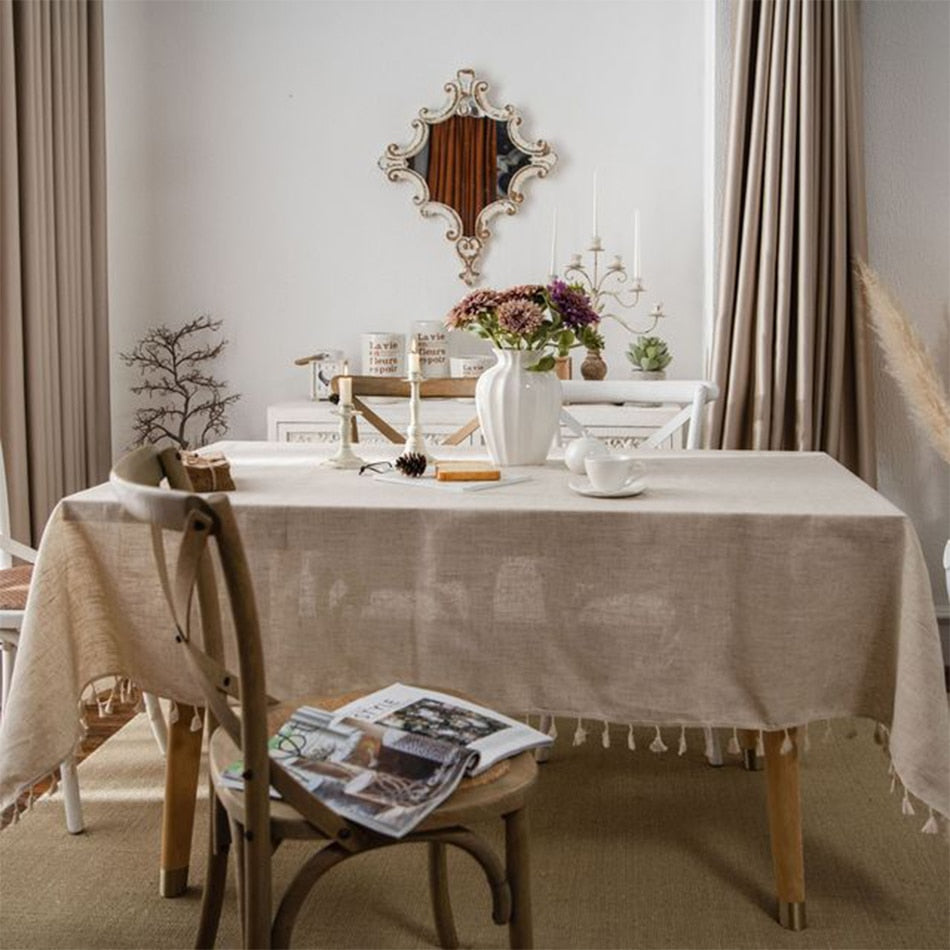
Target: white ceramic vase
[(518, 409)]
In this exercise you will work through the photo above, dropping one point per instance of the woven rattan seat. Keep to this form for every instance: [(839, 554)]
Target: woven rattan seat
[(14, 586)]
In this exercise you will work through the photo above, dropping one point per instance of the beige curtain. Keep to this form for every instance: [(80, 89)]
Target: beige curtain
[(790, 348), (54, 352)]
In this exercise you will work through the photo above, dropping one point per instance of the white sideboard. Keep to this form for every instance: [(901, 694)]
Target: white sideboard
[(316, 421)]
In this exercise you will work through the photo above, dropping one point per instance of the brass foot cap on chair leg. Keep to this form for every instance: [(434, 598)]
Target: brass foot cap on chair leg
[(749, 760), (791, 915), (173, 882)]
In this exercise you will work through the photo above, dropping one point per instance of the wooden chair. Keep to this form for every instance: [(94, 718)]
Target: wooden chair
[(255, 824), (393, 387), (691, 396)]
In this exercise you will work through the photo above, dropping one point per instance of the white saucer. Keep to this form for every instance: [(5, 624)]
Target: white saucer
[(633, 486)]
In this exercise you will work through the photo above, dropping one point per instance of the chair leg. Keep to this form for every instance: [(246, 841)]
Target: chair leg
[(156, 719), (8, 654), (237, 845), (518, 865), (313, 869), (441, 902), (747, 742), (542, 755), (713, 747), (216, 874), (70, 785)]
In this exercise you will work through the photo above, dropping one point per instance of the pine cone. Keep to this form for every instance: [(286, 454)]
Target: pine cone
[(412, 464)]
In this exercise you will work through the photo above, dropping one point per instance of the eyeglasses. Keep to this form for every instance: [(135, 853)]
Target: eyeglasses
[(291, 742), (376, 467)]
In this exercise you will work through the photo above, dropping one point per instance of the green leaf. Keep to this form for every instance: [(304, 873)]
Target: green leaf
[(543, 365)]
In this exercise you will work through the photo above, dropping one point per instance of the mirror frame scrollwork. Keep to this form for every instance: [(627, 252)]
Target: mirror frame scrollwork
[(467, 96)]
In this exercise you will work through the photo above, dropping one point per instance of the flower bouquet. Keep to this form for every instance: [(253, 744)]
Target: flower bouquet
[(518, 399), (546, 320)]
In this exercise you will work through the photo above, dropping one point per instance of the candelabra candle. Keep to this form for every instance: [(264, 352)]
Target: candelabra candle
[(415, 440), (610, 288), (345, 457)]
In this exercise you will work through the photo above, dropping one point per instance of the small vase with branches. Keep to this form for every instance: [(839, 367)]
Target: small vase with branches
[(175, 365)]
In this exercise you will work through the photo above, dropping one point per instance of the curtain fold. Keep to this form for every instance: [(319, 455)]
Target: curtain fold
[(54, 349), (790, 348), (463, 163)]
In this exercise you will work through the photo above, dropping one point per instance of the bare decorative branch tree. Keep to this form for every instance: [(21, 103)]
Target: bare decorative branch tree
[(175, 366)]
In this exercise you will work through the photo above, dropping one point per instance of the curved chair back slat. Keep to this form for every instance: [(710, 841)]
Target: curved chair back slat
[(691, 395), (200, 520)]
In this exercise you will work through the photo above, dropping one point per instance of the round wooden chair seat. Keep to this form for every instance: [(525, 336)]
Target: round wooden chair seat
[(14, 587), (497, 791)]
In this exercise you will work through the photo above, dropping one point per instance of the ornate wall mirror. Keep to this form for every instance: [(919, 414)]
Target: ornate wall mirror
[(468, 162)]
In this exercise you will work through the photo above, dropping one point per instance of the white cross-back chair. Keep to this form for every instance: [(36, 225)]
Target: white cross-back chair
[(690, 396), (14, 589), (682, 430)]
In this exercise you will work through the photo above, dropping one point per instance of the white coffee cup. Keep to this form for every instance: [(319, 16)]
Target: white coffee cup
[(611, 472)]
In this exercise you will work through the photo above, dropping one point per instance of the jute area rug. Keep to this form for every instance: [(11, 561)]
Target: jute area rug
[(629, 850)]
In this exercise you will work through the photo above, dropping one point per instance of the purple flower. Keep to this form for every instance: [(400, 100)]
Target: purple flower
[(520, 316), (572, 304), (470, 308)]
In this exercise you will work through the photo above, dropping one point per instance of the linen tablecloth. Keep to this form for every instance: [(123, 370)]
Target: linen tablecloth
[(757, 590)]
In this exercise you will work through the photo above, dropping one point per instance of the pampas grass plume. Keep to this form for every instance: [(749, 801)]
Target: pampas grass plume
[(907, 360)]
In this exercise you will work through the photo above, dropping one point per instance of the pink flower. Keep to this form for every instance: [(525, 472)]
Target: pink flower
[(520, 316), (470, 308)]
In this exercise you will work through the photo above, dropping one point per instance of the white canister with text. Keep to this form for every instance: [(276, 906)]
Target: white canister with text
[(384, 354), (432, 339)]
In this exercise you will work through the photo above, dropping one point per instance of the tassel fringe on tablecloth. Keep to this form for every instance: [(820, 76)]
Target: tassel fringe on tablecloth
[(125, 690), (930, 827)]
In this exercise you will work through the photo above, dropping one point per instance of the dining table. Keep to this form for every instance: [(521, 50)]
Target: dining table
[(756, 591)]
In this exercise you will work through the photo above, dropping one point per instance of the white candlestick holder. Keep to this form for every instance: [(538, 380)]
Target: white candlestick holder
[(415, 439), (345, 457)]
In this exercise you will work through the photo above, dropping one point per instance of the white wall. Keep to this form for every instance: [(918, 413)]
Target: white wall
[(242, 149), (907, 142)]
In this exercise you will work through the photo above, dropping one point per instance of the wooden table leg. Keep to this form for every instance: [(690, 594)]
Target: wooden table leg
[(785, 828), (747, 741), (181, 787)]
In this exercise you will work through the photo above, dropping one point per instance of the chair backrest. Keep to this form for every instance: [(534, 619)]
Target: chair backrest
[(200, 520), (691, 396), (392, 386), (9, 548)]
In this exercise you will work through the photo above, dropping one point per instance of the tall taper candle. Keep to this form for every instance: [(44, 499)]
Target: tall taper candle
[(553, 269), (415, 364), (636, 245), (595, 205), (346, 390)]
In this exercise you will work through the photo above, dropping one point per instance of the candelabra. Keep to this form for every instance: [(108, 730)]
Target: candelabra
[(415, 439), (610, 286), (345, 457)]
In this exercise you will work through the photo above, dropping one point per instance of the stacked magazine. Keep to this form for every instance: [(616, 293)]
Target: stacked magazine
[(389, 758)]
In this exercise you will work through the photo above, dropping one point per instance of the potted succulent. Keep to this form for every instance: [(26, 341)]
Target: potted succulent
[(649, 357)]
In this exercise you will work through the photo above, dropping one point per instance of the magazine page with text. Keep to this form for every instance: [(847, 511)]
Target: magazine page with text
[(377, 776), (388, 759), (425, 712)]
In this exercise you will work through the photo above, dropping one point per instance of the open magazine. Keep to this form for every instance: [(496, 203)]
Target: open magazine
[(389, 758)]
